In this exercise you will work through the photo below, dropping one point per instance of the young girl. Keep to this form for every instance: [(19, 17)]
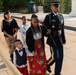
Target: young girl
[(35, 43), (19, 57), (23, 30)]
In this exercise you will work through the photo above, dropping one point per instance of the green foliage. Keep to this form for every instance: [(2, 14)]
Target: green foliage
[(46, 8), (1, 4), (47, 5), (62, 6), (38, 2), (22, 4), (14, 4), (67, 6)]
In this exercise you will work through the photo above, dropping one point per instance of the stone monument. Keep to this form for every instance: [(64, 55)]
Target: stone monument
[(40, 9), (73, 9)]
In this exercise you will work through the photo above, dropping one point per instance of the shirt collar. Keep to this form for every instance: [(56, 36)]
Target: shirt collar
[(18, 49), (55, 13)]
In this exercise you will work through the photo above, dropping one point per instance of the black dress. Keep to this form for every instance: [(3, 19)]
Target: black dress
[(9, 27)]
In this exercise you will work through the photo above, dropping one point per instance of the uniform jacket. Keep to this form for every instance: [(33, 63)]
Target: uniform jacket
[(55, 23)]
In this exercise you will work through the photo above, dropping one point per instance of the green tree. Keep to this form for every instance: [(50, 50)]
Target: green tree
[(47, 5), (38, 2), (67, 6), (62, 6), (1, 4), (13, 3), (21, 3), (6, 4)]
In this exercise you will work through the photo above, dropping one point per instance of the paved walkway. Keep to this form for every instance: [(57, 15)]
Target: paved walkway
[(69, 64)]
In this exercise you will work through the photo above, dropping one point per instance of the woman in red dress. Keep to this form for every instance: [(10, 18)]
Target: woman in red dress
[(35, 43)]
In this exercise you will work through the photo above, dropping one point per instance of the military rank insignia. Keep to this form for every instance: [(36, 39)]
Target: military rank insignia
[(62, 21)]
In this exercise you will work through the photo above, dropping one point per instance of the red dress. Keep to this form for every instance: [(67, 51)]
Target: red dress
[(37, 64)]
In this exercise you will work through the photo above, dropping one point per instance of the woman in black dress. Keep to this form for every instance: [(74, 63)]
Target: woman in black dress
[(10, 29)]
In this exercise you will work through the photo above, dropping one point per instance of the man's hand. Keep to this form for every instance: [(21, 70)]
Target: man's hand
[(59, 32), (48, 31), (64, 42)]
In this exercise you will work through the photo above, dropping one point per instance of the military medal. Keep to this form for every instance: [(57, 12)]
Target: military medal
[(62, 21), (53, 26), (53, 20)]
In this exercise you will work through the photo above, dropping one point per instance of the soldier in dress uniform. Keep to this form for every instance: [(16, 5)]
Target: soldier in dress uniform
[(54, 22)]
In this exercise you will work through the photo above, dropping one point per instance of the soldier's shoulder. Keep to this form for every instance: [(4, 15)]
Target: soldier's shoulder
[(49, 14), (60, 14)]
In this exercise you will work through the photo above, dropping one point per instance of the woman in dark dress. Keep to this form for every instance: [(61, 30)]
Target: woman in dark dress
[(10, 29), (35, 43)]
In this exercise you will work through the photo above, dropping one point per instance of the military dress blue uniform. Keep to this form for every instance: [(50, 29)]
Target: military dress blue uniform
[(55, 22)]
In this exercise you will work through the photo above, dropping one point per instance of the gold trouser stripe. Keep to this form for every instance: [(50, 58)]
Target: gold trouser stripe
[(52, 55)]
